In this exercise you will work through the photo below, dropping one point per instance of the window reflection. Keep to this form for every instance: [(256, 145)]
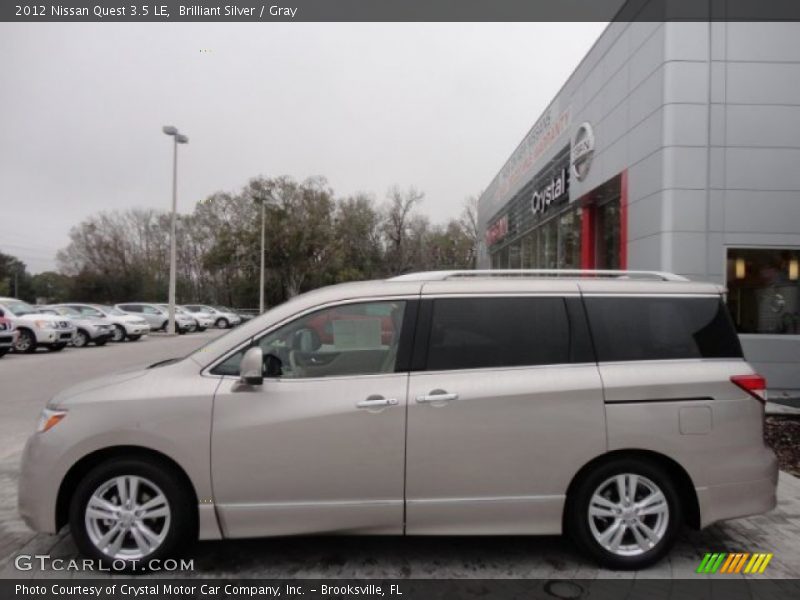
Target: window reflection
[(763, 290)]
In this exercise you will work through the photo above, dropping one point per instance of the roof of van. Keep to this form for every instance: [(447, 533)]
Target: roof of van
[(558, 281)]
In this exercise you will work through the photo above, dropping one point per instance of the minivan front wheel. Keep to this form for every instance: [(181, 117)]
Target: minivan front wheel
[(129, 512), (626, 514)]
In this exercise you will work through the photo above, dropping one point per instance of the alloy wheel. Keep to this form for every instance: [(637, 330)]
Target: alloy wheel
[(81, 339), (127, 517), (24, 342), (628, 514), (118, 334)]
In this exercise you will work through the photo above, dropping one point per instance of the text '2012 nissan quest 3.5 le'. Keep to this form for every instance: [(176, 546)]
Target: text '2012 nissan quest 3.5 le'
[(613, 406)]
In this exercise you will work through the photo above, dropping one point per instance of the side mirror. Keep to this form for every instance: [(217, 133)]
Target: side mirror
[(273, 366), (251, 367)]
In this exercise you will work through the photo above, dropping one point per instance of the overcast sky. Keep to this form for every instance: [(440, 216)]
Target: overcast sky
[(437, 106)]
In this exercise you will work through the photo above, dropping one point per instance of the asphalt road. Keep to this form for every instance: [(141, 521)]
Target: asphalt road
[(27, 382)]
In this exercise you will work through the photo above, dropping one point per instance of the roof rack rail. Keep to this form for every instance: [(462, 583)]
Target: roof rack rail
[(573, 273)]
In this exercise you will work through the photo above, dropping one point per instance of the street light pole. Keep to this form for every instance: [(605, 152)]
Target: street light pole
[(177, 139), (261, 286)]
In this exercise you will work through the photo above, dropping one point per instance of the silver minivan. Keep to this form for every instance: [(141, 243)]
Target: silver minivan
[(613, 406)]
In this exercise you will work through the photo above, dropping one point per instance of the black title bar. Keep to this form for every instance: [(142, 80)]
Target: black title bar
[(397, 10)]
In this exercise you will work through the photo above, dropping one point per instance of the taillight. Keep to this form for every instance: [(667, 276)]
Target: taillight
[(755, 385)]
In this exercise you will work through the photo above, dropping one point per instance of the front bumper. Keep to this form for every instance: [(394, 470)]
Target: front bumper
[(37, 493), (137, 329), (8, 338), (50, 337)]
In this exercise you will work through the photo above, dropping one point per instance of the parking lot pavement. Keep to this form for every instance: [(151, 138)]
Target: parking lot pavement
[(26, 382)]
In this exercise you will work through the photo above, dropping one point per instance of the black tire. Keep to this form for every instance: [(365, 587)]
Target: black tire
[(579, 523), (118, 334), (56, 347), (3, 352), (26, 342), (182, 525), (134, 338), (222, 323), (81, 339), (101, 342)]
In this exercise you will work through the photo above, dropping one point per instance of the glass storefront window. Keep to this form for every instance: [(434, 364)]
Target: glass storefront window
[(548, 237), (607, 238), (569, 240), (764, 289), (553, 244), (515, 256)]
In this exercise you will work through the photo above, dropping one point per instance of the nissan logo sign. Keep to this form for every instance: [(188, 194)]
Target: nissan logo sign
[(582, 151)]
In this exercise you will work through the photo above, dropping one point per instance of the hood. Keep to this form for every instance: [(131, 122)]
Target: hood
[(42, 317), (62, 399)]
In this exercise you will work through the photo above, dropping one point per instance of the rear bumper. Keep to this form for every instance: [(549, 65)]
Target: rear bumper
[(739, 499)]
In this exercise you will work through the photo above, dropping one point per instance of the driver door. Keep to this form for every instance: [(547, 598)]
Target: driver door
[(319, 447)]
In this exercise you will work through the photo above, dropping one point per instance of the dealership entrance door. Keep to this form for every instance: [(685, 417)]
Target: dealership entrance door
[(603, 225)]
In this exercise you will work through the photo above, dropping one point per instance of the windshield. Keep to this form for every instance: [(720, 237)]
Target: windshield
[(19, 308), (65, 310), (110, 310)]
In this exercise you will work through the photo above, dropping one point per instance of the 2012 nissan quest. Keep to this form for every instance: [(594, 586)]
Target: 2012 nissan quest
[(614, 406)]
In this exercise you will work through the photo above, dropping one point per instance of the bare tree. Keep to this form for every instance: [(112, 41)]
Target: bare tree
[(397, 220)]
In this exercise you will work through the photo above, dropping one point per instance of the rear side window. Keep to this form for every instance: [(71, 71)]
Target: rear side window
[(661, 328), (473, 333)]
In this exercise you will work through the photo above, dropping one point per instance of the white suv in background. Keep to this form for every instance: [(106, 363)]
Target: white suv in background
[(222, 319), (36, 329), (125, 326), (158, 317)]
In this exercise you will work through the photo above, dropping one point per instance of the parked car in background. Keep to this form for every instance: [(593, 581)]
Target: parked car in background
[(8, 335), (222, 318), (614, 407), (157, 317), (200, 322), (90, 329), (124, 326), (243, 315), (35, 329)]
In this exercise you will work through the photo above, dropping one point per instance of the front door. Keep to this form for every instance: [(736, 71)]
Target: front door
[(319, 447), (505, 410)]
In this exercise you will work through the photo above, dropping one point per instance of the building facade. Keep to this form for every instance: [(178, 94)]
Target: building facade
[(671, 147)]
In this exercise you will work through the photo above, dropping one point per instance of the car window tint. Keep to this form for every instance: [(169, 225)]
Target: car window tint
[(661, 328), (472, 333), (356, 339)]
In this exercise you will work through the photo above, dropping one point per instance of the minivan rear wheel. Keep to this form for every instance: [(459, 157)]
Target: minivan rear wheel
[(625, 513), (129, 512)]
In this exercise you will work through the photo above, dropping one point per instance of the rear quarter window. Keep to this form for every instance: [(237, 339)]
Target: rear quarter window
[(661, 328)]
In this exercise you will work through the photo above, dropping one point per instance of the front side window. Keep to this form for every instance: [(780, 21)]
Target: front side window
[(473, 333), (764, 290), (350, 339), (661, 328)]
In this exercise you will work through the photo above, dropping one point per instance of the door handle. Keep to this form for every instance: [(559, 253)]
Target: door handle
[(436, 398), (376, 402)]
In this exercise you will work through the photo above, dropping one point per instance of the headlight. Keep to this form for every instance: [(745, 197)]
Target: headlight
[(49, 418)]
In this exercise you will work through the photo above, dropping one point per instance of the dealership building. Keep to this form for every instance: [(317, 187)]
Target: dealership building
[(671, 147)]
